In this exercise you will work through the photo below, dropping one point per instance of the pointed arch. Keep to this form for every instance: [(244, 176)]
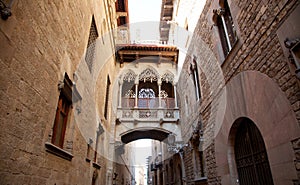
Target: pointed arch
[(149, 74), (168, 77), (129, 76), (127, 91)]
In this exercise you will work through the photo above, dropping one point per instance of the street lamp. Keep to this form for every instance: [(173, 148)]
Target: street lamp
[(173, 146)]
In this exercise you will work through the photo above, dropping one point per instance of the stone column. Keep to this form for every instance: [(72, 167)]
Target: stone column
[(175, 96), (136, 95), (159, 91), (120, 93)]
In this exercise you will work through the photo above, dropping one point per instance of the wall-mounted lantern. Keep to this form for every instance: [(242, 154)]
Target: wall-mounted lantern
[(5, 10), (294, 49), (173, 146)]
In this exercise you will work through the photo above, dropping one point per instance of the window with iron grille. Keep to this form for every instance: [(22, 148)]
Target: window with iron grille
[(90, 51)]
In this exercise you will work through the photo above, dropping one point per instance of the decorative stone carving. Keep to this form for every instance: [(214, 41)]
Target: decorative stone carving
[(163, 94), (146, 93), (148, 114), (169, 114), (129, 76), (127, 114), (130, 94), (149, 75), (167, 77)]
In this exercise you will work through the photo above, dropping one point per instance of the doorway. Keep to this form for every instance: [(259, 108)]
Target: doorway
[(251, 155)]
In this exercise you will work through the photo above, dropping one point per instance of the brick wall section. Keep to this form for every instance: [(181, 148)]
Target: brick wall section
[(188, 164), (258, 48), (261, 50), (211, 165)]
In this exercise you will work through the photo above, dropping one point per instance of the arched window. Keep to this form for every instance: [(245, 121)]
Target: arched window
[(225, 26), (128, 89), (195, 77), (148, 89)]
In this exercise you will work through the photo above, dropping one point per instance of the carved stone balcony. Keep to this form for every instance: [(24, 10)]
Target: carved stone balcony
[(148, 110)]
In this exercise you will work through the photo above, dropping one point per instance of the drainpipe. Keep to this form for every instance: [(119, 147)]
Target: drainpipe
[(159, 94)]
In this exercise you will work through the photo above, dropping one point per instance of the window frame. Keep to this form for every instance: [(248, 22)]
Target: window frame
[(63, 107), (226, 30), (195, 78), (70, 94)]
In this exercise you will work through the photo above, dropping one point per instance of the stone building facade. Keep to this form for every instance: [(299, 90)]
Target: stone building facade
[(52, 129), (248, 75), (60, 80)]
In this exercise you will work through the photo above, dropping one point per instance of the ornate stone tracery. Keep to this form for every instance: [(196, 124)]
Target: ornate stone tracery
[(130, 94), (168, 77), (129, 76), (149, 75), (146, 93), (163, 94)]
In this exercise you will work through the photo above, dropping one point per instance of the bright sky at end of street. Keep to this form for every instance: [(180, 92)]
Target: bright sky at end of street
[(144, 18), (144, 10)]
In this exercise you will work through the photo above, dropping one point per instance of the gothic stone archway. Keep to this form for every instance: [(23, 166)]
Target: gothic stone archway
[(150, 133)]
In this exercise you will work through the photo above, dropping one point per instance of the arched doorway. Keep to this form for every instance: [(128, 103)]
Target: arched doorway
[(250, 154)]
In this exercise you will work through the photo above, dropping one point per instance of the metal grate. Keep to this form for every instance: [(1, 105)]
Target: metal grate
[(251, 156), (90, 51)]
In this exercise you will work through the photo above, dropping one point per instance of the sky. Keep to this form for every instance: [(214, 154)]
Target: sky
[(141, 151), (144, 17), (144, 10)]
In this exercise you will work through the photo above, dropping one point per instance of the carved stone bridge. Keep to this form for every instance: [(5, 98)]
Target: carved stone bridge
[(147, 99)]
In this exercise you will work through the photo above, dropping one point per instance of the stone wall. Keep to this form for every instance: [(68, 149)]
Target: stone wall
[(41, 42), (259, 48)]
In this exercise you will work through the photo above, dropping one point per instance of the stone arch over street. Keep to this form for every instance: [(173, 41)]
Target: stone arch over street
[(145, 133), (146, 104)]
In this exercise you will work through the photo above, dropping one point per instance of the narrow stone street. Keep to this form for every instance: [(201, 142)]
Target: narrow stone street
[(160, 92)]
